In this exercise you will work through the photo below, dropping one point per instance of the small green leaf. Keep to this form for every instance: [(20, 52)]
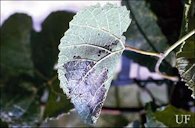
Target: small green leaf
[(15, 46), (89, 53), (170, 113)]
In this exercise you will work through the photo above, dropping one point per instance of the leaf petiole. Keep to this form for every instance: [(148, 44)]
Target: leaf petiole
[(129, 48)]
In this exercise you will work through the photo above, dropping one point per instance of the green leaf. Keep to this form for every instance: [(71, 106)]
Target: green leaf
[(89, 53), (15, 46), (186, 55), (170, 113), (19, 101), (148, 23), (45, 43), (144, 33)]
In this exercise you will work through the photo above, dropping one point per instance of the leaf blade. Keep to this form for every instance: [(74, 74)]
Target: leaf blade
[(93, 42), (15, 46), (185, 61)]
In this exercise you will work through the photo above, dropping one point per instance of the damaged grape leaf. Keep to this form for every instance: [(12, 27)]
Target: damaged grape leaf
[(89, 53), (186, 55)]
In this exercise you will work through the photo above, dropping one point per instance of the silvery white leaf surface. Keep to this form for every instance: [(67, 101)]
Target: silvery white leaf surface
[(89, 53)]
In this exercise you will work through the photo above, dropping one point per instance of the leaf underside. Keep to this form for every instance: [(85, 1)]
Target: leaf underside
[(89, 53), (186, 65)]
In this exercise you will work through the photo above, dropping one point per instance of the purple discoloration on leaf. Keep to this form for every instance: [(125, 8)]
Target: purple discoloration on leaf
[(89, 52), (86, 88)]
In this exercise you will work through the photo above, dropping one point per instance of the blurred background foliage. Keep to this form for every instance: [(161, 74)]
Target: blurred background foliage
[(30, 93)]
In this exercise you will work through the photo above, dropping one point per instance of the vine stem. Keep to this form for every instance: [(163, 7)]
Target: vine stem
[(162, 56), (142, 52), (166, 53)]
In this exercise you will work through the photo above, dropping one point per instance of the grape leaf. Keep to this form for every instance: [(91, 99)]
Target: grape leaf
[(146, 34), (170, 113), (156, 116), (186, 55), (15, 46), (89, 53)]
